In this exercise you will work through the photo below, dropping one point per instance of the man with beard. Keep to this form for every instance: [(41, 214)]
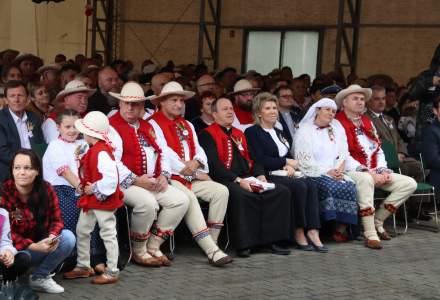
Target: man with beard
[(243, 94), (108, 81)]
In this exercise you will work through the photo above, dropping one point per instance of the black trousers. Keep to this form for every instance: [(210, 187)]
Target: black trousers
[(304, 201), (22, 262), (258, 219)]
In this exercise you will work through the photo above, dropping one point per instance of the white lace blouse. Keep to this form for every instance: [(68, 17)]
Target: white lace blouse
[(319, 150)]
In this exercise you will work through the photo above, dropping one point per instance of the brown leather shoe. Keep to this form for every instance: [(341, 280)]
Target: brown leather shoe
[(221, 262), (373, 244), (79, 272), (384, 236), (146, 261), (164, 260), (99, 268), (105, 279)]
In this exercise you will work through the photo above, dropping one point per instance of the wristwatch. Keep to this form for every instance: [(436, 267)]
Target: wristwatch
[(237, 180)]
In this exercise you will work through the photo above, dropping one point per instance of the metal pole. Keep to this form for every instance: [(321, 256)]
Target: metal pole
[(109, 32), (201, 32), (217, 33), (94, 21), (339, 35), (356, 22)]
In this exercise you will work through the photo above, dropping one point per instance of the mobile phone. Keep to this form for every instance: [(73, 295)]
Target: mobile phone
[(55, 239)]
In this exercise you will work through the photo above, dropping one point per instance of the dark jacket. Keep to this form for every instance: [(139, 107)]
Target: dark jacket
[(10, 140), (99, 102), (431, 152), (265, 149), (388, 131), (296, 119), (422, 89)]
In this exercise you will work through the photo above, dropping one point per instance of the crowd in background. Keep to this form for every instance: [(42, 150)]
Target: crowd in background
[(79, 139)]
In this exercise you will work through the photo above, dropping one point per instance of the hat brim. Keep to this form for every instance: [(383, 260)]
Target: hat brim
[(47, 68), (127, 99), (344, 93), (38, 61), (186, 94), (64, 93), (84, 130), (243, 91)]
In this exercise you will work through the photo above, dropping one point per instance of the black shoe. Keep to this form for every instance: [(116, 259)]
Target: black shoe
[(305, 247), (278, 250), (320, 249), (244, 253)]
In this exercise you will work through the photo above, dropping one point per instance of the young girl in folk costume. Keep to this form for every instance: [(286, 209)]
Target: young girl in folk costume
[(60, 166), (100, 199)]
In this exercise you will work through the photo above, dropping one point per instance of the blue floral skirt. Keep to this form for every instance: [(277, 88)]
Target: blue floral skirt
[(337, 200), (70, 213)]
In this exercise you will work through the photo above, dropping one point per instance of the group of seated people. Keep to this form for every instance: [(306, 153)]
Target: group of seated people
[(281, 171)]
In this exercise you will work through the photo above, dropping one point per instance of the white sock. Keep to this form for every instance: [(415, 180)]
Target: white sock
[(380, 216), (153, 245), (369, 228)]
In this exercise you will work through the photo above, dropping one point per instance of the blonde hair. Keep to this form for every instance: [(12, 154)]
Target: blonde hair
[(258, 102)]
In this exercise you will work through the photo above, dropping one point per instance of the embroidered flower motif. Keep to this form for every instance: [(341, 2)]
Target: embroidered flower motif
[(30, 128), (182, 129)]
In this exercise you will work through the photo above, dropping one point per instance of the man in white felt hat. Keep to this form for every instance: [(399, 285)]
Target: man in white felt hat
[(143, 176), (372, 172), (74, 96), (243, 96), (189, 168)]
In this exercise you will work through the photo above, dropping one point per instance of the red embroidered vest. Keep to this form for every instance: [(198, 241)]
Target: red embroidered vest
[(133, 155), (88, 172), (224, 144), (173, 130), (245, 117), (355, 148)]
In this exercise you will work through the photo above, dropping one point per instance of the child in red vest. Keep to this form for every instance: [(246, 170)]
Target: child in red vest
[(101, 197)]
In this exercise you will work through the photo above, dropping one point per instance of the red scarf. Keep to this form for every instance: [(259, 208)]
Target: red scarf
[(355, 148), (133, 155), (224, 144), (245, 117), (172, 129)]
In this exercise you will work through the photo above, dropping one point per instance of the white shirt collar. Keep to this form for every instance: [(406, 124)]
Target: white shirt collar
[(16, 118), (377, 115)]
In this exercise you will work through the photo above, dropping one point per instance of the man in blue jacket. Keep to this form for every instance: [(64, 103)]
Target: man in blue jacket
[(18, 128)]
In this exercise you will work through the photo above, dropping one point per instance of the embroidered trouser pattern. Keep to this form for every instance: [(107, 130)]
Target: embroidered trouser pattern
[(145, 205), (217, 195), (400, 188)]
